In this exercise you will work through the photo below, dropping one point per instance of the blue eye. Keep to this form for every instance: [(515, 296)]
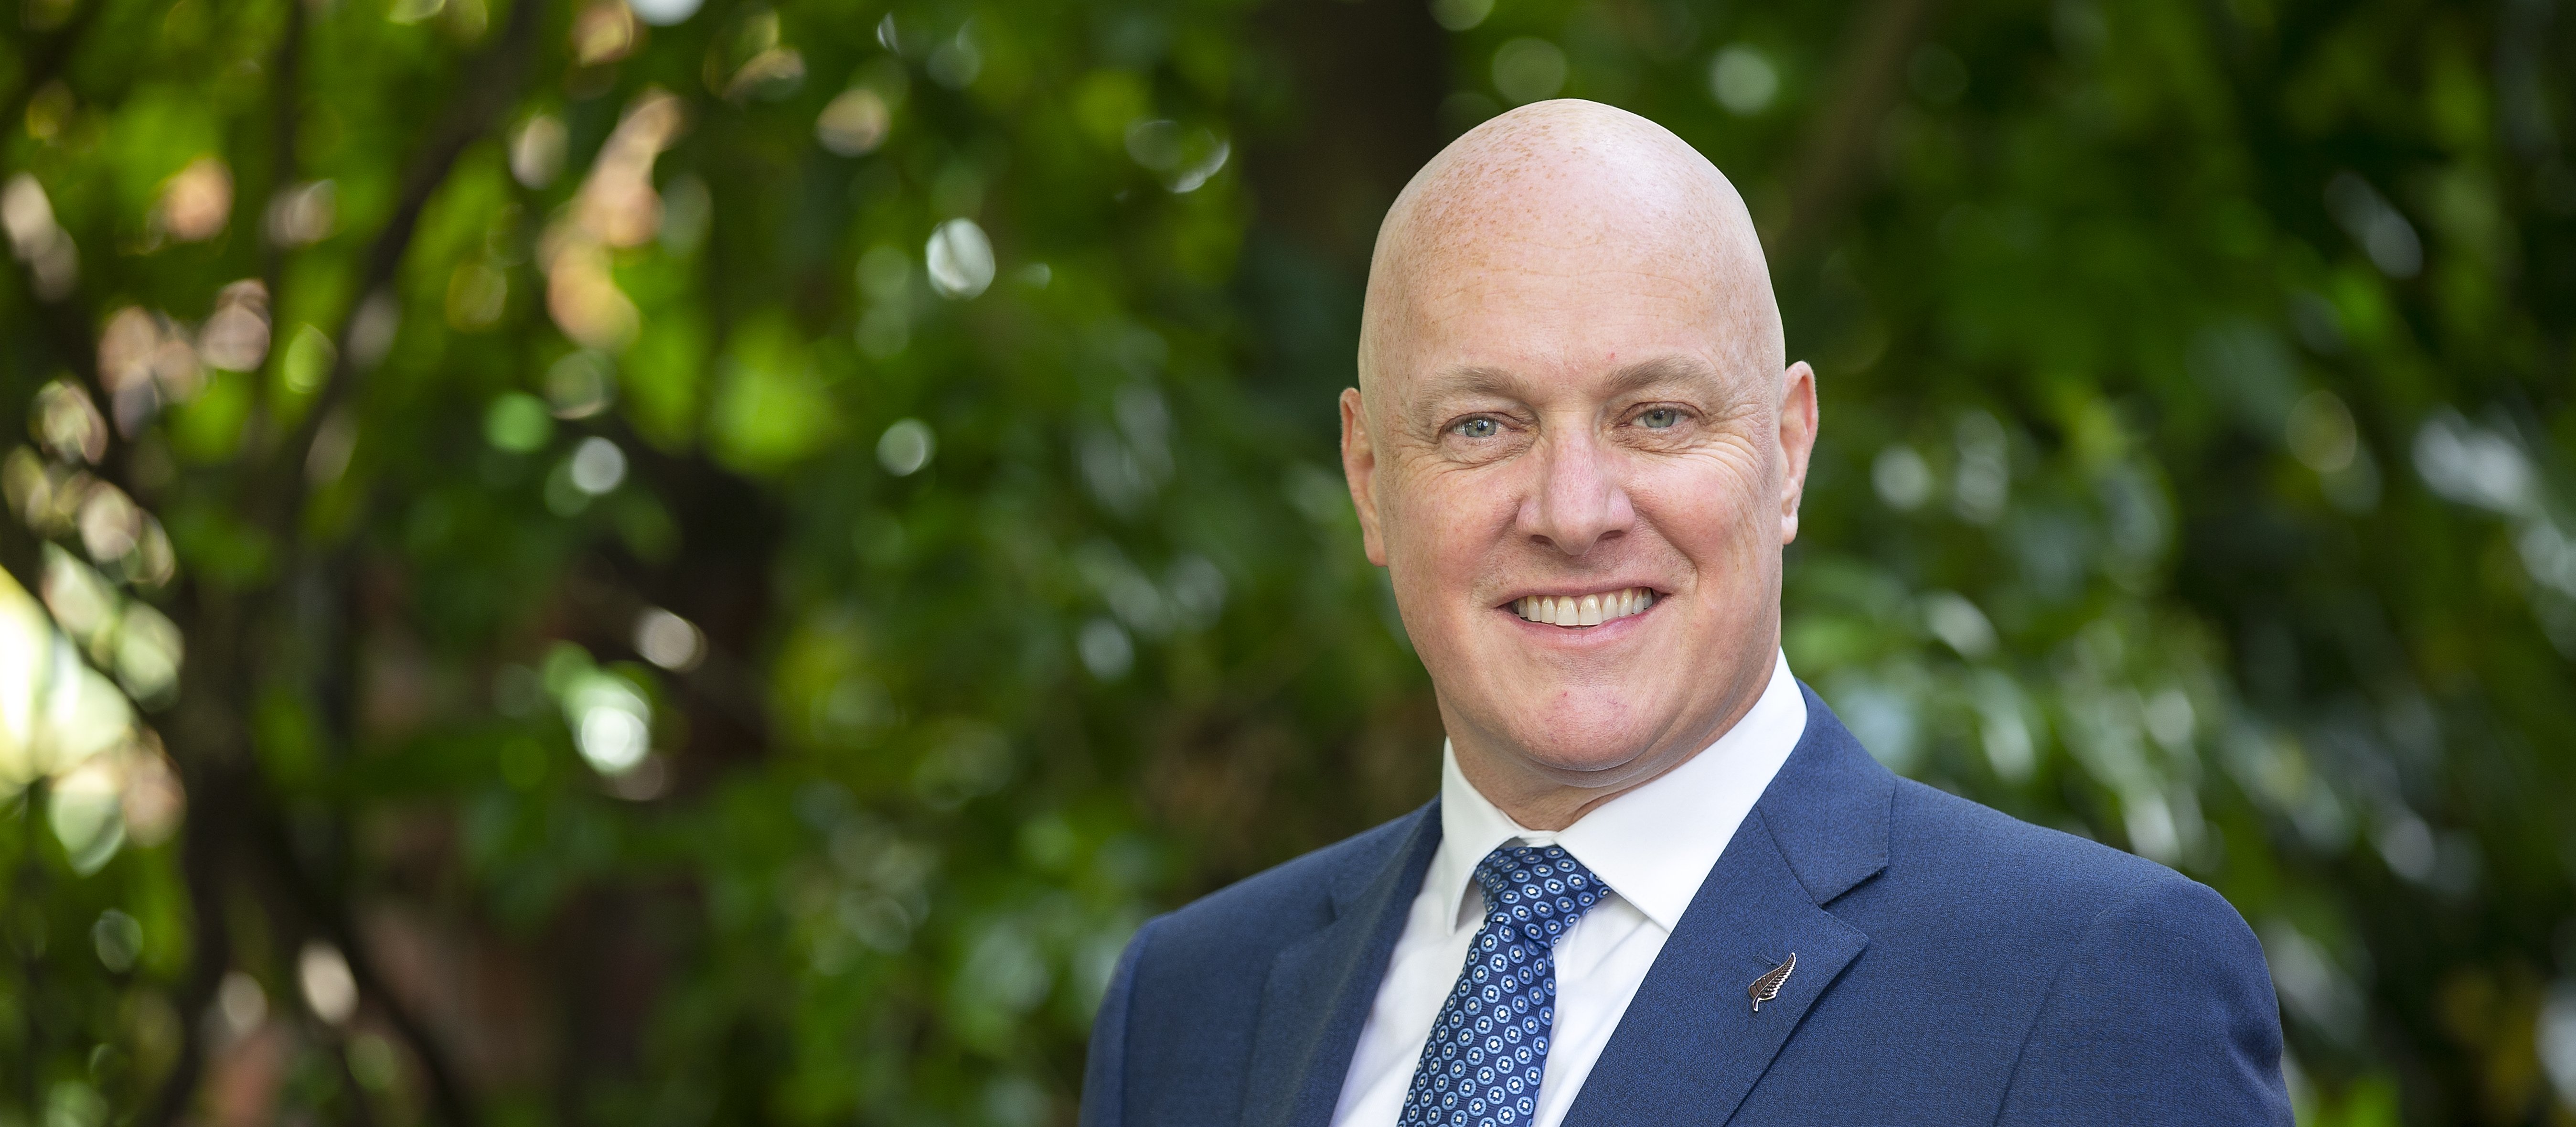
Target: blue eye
[(1659, 418), (1479, 428)]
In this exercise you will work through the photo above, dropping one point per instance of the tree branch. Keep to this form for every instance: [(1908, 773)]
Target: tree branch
[(223, 784), (360, 1115), (203, 849), (285, 82), (491, 85), (328, 914), (1867, 83)]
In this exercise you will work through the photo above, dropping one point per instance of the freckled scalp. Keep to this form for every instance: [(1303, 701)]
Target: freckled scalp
[(1559, 175)]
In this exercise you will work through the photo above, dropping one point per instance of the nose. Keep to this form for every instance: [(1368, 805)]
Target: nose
[(1579, 500)]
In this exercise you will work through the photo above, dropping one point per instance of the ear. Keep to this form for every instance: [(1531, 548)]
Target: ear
[(1798, 420), (1359, 469)]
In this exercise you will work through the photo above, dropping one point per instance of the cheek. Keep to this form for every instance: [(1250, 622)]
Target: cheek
[(1442, 518), (1709, 506)]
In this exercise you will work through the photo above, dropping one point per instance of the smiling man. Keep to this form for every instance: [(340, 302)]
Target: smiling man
[(1661, 884)]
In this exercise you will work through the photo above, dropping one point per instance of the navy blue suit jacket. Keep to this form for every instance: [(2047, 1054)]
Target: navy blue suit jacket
[(1955, 966)]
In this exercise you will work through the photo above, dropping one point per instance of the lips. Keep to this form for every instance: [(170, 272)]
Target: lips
[(1584, 610)]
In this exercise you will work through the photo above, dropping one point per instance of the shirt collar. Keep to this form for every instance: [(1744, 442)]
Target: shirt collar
[(1653, 845)]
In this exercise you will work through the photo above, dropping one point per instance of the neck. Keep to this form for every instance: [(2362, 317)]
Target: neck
[(1540, 795)]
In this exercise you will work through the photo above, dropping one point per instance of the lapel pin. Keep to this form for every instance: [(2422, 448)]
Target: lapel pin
[(1767, 987)]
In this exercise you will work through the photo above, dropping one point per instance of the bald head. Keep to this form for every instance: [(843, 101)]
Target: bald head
[(1570, 185)]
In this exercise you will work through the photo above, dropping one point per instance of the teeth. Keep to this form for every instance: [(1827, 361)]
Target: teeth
[(1584, 610)]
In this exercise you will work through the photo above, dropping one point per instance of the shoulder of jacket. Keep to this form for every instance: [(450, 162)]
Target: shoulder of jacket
[(1941, 839), (1284, 898)]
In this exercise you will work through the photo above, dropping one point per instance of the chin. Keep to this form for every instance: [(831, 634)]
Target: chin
[(1586, 737)]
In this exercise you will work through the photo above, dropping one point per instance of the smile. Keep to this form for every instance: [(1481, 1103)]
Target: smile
[(1584, 610)]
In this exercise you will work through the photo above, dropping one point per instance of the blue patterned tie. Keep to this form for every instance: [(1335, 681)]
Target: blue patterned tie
[(1481, 1065)]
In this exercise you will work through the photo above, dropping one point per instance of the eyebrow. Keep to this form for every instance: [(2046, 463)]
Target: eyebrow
[(1503, 384), (1659, 371)]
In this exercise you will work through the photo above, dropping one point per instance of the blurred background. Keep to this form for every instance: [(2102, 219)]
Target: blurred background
[(680, 562)]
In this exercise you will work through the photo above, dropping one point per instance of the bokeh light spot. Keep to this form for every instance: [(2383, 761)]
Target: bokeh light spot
[(1743, 79), (518, 422), (668, 640), (906, 447), (960, 258), (854, 123), (308, 361), (328, 986), (537, 151), (1460, 15), (1105, 649), (663, 13), (197, 202), (1901, 477), (118, 940), (581, 384), (1528, 69), (241, 1003), (2321, 433), (611, 722), (597, 466)]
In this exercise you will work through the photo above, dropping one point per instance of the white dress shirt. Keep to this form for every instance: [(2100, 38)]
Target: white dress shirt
[(1653, 846)]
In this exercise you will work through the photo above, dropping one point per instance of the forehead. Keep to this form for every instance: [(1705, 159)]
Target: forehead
[(1563, 255), (1563, 307)]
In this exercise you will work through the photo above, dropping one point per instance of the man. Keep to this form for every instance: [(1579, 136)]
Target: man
[(1661, 884)]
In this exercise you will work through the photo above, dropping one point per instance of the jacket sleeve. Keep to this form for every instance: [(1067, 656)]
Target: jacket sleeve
[(2163, 1014), (1104, 1074)]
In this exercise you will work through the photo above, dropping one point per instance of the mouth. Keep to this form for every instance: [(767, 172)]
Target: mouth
[(1580, 611)]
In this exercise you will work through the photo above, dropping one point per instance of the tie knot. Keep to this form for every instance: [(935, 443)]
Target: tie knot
[(1538, 890)]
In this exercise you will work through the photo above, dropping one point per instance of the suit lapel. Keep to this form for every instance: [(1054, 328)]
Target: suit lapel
[(1319, 991), (1690, 1044)]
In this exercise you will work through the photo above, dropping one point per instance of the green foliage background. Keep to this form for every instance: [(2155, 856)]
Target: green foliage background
[(2195, 476)]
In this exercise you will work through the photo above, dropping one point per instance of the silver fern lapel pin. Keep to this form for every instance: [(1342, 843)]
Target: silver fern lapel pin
[(1768, 986)]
